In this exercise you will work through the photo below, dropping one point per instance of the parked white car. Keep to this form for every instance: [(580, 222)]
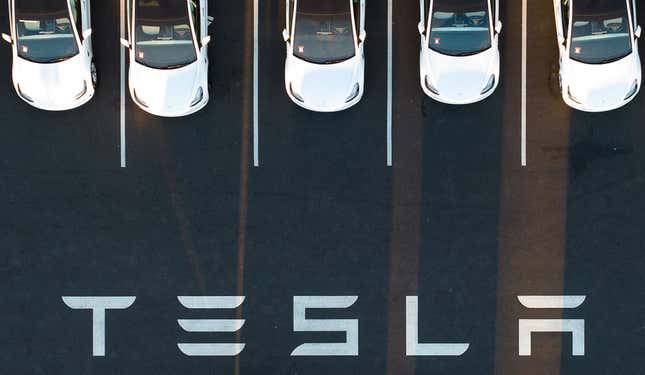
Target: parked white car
[(600, 69), (52, 52), (325, 64), (167, 42), (459, 60)]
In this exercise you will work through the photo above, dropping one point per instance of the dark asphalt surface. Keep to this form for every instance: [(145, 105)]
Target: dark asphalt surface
[(456, 220)]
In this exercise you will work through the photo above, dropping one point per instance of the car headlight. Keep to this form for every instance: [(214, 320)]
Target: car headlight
[(430, 87), (198, 97), (489, 86), (24, 96), (83, 91), (354, 93), (571, 96), (139, 99), (632, 90), (295, 94)]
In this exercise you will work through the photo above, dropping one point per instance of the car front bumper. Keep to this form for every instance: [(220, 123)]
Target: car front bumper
[(160, 112)]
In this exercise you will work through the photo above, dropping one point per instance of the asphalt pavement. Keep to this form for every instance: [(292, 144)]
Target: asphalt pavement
[(456, 220)]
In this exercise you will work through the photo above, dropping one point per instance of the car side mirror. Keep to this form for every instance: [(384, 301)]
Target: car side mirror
[(87, 33), (498, 27), (285, 35), (421, 27), (7, 38), (125, 43), (637, 32), (362, 36), (206, 40)]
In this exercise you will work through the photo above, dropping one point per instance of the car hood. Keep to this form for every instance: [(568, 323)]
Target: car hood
[(462, 77), (323, 85), (165, 90), (53, 84), (601, 85)]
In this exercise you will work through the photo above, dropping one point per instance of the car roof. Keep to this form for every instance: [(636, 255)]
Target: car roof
[(459, 5), (161, 9), (323, 6), (41, 6), (589, 7)]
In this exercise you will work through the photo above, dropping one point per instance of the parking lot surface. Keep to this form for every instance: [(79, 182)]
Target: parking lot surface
[(457, 219)]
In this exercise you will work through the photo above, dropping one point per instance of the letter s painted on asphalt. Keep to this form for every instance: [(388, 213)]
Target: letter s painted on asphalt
[(302, 324)]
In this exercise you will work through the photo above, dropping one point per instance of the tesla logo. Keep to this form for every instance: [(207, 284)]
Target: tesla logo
[(348, 347)]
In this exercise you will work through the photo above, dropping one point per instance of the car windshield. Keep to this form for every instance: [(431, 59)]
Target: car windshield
[(323, 32), (163, 34), (600, 31), (460, 27), (44, 31)]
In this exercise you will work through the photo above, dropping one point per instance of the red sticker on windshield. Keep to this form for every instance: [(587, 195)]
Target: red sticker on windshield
[(301, 49), (437, 40), (141, 54), (577, 50), (25, 49)]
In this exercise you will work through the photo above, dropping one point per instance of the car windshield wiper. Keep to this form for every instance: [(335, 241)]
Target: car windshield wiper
[(337, 60), (458, 54), (333, 61), (57, 59), (470, 53), (612, 59), (175, 66)]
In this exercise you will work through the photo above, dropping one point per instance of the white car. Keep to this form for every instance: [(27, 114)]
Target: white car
[(600, 68), (459, 60), (325, 65), (167, 42), (52, 52)]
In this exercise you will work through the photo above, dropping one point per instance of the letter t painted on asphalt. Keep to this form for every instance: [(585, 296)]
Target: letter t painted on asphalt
[(98, 305)]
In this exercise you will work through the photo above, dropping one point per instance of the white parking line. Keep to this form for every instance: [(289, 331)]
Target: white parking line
[(122, 109), (256, 135), (389, 83), (524, 34)]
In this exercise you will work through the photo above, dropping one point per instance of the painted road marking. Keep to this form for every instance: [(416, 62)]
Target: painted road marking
[(122, 109), (256, 134), (389, 83), (524, 35)]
